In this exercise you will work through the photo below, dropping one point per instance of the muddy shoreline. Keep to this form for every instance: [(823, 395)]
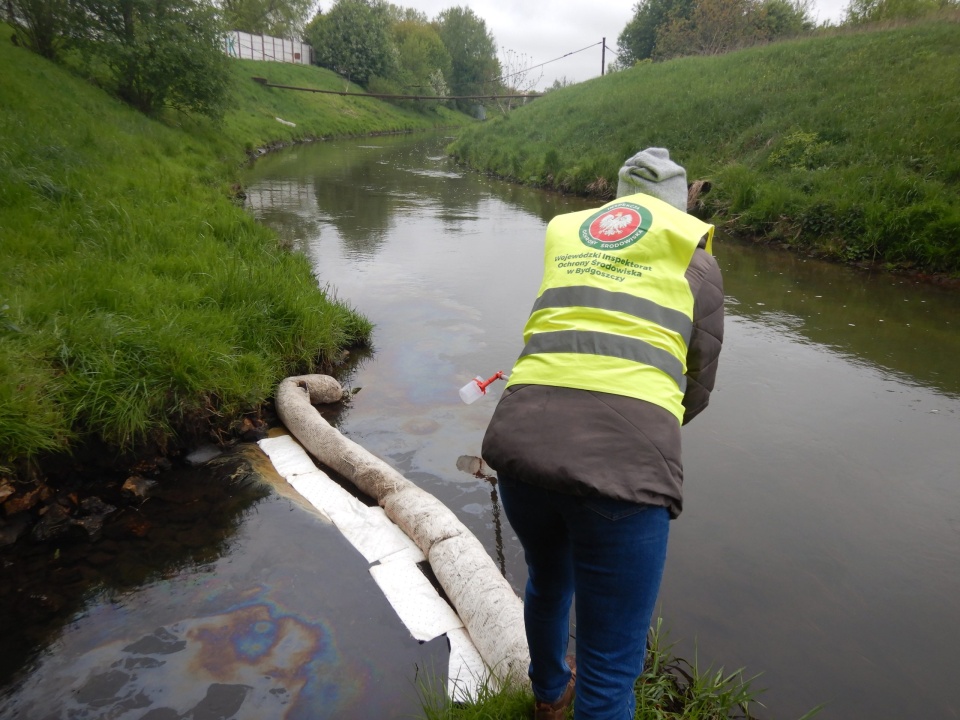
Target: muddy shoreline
[(58, 484), (56, 495)]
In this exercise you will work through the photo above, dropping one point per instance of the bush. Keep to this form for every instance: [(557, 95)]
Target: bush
[(159, 54), (860, 12)]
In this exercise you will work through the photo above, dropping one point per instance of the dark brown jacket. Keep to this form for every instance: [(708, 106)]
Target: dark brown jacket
[(592, 443)]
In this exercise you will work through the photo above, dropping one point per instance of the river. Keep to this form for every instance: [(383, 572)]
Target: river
[(820, 541), (819, 546)]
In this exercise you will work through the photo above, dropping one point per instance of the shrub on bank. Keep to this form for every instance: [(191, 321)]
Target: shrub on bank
[(846, 144)]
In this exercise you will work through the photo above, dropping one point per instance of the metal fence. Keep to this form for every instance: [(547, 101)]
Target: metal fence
[(265, 47)]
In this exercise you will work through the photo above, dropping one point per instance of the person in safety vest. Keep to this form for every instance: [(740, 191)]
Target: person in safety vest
[(621, 349)]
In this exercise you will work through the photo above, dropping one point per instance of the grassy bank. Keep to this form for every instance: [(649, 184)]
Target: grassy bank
[(137, 301), (845, 145)]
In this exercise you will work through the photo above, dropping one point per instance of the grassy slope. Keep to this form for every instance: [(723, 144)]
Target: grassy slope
[(252, 121), (848, 144), (137, 298)]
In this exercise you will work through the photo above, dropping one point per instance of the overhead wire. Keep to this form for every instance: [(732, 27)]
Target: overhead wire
[(534, 67), (526, 70)]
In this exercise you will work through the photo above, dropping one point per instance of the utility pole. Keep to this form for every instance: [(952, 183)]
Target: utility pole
[(603, 57)]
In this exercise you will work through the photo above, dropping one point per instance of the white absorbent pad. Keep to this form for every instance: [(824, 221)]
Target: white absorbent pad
[(418, 604)]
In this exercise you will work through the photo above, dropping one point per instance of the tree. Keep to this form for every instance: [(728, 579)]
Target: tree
[(777, 19), (662, 29), (713, 27), (518, 77), (280, 18), (41, 25), (353, 39), (423, 62), (400, 14), (473, 52), (639, 38), (160, 53)]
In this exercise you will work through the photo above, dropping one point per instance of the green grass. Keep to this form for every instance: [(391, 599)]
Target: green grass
[(669, 689), (845, 144), (252, 121), (137, 300)]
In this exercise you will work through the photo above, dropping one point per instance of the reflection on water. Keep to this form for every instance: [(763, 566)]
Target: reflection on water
[(887, 321), (820, 536), (42, 584), (233, 603)]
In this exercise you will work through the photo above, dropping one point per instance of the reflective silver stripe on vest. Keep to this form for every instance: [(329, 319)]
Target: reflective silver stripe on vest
[(586, 342), (580, 296)]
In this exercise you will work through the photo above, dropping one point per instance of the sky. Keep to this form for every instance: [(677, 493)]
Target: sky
[(537, 31)]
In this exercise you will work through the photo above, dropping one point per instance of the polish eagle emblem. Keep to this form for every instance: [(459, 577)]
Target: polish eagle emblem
[(615, 226), (613, 223)]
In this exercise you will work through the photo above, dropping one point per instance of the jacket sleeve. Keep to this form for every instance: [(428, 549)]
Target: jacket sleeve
[(703, 352)]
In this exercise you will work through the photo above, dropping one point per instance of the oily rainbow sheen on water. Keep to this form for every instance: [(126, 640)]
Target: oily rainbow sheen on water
[(252, 659)]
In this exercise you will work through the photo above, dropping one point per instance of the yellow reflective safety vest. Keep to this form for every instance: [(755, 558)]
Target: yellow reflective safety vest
[(614, 312)]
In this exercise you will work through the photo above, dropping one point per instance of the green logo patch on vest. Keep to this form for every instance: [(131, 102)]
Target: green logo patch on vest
[(616, 227)]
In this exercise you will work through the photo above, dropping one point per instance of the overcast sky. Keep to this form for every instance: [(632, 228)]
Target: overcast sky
[(538, 31)]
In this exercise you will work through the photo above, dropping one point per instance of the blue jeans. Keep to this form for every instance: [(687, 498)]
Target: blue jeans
[(608, 553)]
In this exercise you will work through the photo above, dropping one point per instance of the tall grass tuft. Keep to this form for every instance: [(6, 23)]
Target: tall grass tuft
[(670, 688), (845, 144), (491, 701)]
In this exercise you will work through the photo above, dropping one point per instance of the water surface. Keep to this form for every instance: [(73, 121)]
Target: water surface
[(217, 597), (820, 542)]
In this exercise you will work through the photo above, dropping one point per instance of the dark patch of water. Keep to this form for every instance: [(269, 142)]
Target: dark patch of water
[(186, 521), (214, 597)]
